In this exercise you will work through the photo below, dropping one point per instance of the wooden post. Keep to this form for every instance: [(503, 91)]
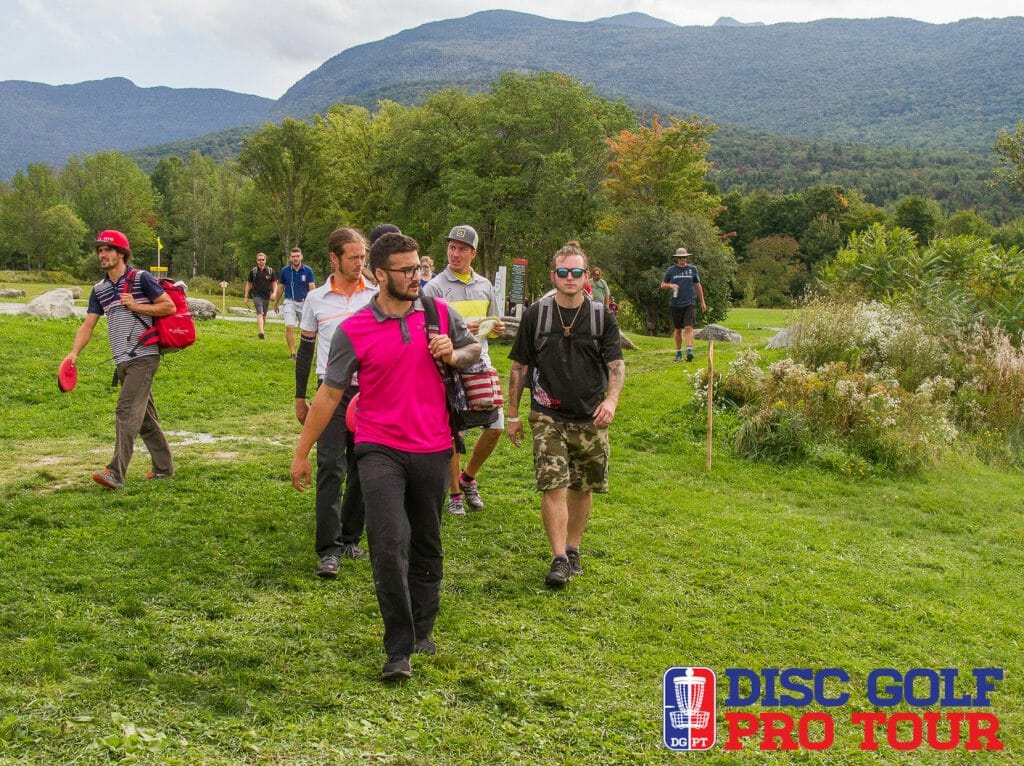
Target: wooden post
[(711, 400), (224, 298)]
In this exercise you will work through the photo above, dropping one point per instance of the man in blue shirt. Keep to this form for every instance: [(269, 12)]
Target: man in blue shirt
[(296, 281), (684, 282)]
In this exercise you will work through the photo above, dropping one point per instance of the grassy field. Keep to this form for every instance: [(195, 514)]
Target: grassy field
[(180, 621)]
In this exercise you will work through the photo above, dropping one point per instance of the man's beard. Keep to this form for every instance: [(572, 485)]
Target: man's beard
[(395, 291)]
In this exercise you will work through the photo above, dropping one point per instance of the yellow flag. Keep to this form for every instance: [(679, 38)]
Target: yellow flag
[(159, 244)]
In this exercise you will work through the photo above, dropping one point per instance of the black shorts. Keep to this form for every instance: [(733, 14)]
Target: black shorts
[(681, 317)]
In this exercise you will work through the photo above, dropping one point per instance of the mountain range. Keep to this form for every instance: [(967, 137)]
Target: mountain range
[(891, 82)]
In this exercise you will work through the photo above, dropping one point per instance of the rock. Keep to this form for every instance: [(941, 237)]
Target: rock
[(12, 293), (53, 304), (201, 308), (783, 338), (76, 292), (718, 332), (242, 311)]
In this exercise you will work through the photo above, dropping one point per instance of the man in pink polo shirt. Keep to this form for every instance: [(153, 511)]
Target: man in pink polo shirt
[(403, 440)]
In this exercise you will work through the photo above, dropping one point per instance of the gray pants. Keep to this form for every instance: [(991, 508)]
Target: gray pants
[(136, 416)]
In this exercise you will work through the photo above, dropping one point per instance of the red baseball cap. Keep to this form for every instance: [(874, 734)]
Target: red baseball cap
[(114, 238)]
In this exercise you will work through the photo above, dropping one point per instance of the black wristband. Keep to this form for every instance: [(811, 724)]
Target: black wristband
[(303, 361)]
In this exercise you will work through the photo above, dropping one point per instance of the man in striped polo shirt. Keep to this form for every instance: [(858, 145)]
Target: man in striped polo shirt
[(129, 311)]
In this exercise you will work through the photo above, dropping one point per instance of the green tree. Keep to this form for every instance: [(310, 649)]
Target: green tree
[(199, 202), (109, 191), (639, 250), (290, 173), (1009, 148), (36, 224), (919, 215), (768, 274)]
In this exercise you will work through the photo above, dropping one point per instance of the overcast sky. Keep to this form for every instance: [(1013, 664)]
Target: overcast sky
[(264, 46)]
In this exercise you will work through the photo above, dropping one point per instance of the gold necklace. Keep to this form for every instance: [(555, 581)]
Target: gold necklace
[(567, 328)]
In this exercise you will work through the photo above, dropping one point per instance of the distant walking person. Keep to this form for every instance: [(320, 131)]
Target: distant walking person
[(296, 281), (599, 289), (403, 440), (684, 282), (130, 309), (568, 352), (339, 520), (262, 284), (473, 297)]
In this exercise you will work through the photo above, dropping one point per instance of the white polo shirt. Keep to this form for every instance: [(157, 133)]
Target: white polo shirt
[(325, 308)]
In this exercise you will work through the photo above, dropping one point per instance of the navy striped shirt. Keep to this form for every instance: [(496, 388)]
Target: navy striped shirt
[(124, 326)]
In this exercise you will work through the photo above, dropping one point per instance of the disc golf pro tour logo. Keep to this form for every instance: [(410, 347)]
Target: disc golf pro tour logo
[(689, 708), (795, 708)]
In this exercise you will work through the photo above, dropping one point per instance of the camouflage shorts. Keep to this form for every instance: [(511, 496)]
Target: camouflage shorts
[(573, 455)]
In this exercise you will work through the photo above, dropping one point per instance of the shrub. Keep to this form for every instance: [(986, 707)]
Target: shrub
[(839, 416), (208, 286), (990, 399), (871, 336)]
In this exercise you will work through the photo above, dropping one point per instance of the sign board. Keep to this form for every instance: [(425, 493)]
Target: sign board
[(158, 269), (500, 280), (517, 283)]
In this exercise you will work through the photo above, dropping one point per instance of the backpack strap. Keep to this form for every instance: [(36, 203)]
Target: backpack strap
[(545, 321)]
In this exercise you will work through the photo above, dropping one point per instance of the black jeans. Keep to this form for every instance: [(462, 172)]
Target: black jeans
[(403, 526), (339, 520)]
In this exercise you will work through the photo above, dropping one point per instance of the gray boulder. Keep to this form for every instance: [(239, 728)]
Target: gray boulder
[(718, 332), (12, 293), (76, 292), (241, 311), (783, 338), (202, 308), (53, 304)]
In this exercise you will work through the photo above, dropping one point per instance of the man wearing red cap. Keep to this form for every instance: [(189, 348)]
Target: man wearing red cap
[(130, 310)]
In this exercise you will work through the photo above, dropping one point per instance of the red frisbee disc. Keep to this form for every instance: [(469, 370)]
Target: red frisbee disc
[(67, 376), (351, 412)]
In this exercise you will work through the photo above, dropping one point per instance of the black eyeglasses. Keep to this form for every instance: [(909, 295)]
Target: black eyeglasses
[(408, 272), (563, 272)]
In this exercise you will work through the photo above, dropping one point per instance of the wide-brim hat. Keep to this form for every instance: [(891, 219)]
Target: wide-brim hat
[(682, 252)]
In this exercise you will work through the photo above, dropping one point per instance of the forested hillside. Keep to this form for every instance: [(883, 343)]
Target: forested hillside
[(747, 160), (48, 123), (880, 81)]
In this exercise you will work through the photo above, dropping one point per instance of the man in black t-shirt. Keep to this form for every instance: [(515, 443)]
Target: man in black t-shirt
[(575, 371), (261, 283)]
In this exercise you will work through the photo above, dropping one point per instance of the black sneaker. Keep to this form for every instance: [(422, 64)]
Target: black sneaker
[(559, 574), (396, 669), (352, 551), (425, 646), (329, 566), (574, 562), (689, 355)]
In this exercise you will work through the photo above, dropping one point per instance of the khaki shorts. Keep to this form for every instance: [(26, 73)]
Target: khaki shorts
[(569, 455)]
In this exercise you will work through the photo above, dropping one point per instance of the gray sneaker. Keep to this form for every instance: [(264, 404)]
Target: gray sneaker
[(456, 507), (396, 669), (329, 566), (424, 646), (471, 493), (559, 574), (352, 551), (574, 562)]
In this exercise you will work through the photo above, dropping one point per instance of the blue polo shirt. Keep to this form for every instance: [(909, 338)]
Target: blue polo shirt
[(296, 282)]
